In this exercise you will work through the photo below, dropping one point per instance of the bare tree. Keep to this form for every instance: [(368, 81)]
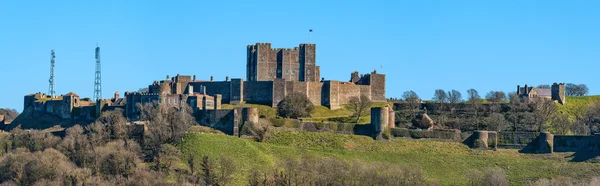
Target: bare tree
[(543, 110), (495, 96), (576, 90), (168, 156), (165, 125), (115, 122), (225, 171), (411, 96), (454, 97), (561, 124), (440, 96), (473, 96), (359, 106), (209, 171), (496, 122), (260, 131), (412, 99), (514, 98)]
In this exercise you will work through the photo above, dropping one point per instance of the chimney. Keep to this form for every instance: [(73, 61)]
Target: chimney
[(116, 95), (167, 77), (194, 77), (211, 79), (518, 89), (226, 78), (526, 89)]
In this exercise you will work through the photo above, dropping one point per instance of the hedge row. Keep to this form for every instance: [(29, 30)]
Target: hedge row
[(521, 138), (418, 134), (346, 128)]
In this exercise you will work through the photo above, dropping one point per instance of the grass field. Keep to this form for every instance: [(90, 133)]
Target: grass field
[(447, 162)]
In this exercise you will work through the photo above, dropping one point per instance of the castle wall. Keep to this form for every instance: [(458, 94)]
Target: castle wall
[(236, 91), (346, 91), (288, 67), (330, 94), (377, 82), (279, 91), (258, 92), (132, 99), (365, 90), (215, 87), (296, 87), (576, 143), (314, 92)]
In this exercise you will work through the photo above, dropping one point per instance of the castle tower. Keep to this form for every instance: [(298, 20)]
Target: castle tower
[(558, 93), (307, 60), (266, 64)]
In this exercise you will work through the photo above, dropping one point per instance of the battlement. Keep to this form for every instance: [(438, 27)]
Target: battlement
[(260, 44), (308, 44)]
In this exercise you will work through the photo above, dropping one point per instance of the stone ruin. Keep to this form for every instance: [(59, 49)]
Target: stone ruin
[(423, 121)]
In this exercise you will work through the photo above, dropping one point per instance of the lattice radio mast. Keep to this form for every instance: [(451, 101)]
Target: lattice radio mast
[(51, 90), (98, 80)]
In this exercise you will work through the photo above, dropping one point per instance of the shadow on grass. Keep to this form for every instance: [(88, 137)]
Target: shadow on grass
[(585, 156)]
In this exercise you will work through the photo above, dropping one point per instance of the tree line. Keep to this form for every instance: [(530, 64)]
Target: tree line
[(503, 112), (455, 96)]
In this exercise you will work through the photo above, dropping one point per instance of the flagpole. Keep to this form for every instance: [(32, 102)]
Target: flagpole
[(309, 32)]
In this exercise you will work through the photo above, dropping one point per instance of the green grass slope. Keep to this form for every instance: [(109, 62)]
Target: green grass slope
[(576, 105), (449, 163), (320, 113)]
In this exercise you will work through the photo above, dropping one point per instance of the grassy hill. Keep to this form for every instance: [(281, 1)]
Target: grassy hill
[(576, 105), (447, 162)]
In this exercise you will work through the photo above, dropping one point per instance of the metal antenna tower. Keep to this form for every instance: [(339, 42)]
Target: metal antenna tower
[(98, 80), (51, 90)]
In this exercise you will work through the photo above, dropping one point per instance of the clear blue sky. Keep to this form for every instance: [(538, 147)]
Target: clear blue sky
[(421, 45)]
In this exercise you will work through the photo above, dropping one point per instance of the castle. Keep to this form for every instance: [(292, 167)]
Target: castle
[(274, 73), (555, 93), (271, 74)]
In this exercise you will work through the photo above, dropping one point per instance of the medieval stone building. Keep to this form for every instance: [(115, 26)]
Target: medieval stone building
[(174, 92), (67, 106), (274, 73), (555, 93)]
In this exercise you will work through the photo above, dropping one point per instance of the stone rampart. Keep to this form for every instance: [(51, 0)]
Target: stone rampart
[(577, 143)]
